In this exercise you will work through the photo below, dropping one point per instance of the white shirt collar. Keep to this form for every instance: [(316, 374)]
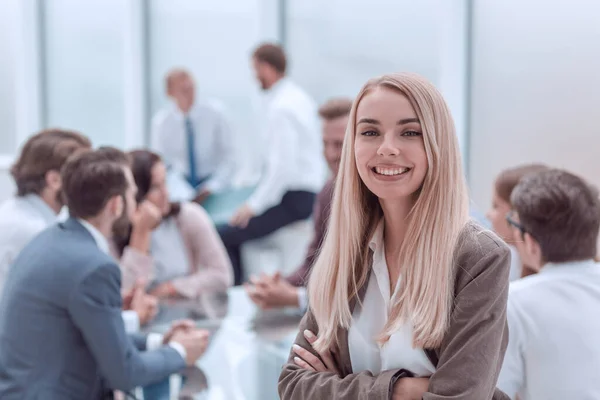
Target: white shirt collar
[(377, 238), (179, 114), (379, 265), (101, 241), (555, 267), (40, 206), (276, 88)]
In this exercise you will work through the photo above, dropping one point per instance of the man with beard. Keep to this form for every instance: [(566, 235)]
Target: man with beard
[(293, 169), (39, 200)]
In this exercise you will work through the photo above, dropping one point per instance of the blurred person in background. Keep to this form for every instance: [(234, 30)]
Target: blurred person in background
[(172, 246), (553, 350), (38, 203), (276, 291), (293, 168), (195, 139), (501, 206), (407, 298), (60, 315)]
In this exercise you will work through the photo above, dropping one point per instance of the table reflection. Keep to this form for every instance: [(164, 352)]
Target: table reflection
[(247, 348)]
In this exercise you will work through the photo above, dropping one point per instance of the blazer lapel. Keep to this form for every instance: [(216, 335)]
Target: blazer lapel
[(433, 356), (343, 350)]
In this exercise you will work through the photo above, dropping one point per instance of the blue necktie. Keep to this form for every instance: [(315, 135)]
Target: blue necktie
[(191, 147)]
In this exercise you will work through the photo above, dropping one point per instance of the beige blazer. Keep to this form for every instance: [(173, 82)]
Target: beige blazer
[(467, 363)]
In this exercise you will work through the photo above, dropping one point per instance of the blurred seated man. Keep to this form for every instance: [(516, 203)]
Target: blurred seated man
[(293, 168), (38, 202), (194, 138), (275, 291), (553, 351), (60, 315)]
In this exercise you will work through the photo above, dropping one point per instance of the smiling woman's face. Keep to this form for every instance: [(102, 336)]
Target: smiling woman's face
[(389, 149)]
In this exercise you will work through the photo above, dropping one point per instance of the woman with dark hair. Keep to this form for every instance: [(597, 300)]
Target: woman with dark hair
[(504, 184), (172, 246)]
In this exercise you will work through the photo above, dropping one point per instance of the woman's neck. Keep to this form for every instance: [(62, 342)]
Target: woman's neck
[(394, 215)]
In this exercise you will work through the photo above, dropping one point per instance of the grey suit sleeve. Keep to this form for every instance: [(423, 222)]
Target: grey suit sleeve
[(139, 341), (95, 307)]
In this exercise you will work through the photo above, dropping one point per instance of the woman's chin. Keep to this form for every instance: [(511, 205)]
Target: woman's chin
[(394, 193)]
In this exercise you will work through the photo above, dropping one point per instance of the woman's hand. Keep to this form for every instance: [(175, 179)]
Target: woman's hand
[(410, 388), (164, 290), (307, 360)]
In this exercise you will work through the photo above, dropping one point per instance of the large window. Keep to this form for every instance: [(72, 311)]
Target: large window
[(84, 67), (213, 40), (8, 31), (335, 46)]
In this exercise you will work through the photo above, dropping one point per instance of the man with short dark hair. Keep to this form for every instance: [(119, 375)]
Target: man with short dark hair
[(276, 291), (553, 351), (60, 317), (270, 64), (293, 168)]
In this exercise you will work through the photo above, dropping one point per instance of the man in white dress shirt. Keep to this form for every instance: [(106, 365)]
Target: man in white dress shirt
[(39, 200), (276, 291), (554, 351), (294, 169), (194, 138)]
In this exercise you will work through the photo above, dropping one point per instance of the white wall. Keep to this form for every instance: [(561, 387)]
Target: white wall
[(7, 77), (7, 187), (336, 46), (536, 88), (84, 48), (19, 97)]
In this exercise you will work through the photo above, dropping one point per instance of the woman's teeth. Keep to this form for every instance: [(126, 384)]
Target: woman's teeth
[(391, 171)]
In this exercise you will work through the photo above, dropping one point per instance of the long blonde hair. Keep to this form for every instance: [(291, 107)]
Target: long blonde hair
[(425, 294)]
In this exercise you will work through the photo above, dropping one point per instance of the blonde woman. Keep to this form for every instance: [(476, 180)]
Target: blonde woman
[(407, 298)]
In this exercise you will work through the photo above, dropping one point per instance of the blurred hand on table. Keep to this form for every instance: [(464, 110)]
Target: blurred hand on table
[(274, 291)]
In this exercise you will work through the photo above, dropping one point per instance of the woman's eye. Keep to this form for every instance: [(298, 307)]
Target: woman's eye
[(369, 133), (412, 133)]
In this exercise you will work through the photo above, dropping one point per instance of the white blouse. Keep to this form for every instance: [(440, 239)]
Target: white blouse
[(169, 252), (368, 322)]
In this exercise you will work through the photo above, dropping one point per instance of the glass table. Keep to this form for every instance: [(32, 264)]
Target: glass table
[(247, 348)]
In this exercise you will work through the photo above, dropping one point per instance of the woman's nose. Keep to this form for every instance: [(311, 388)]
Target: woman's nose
[(389, 146)]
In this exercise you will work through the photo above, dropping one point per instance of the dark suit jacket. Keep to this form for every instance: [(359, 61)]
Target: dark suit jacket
[(467, 363), (320, 217), (61, 331)]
